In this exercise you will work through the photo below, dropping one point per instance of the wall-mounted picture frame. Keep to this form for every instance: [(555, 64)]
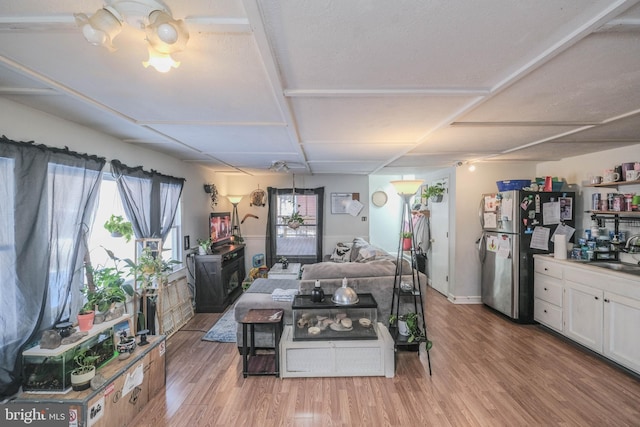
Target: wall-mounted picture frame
[(340, 202)]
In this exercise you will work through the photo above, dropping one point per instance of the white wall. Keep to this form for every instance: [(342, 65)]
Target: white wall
[(384, 224)]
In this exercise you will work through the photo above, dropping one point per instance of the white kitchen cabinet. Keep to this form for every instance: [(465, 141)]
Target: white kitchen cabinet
[(621, 330), (600, 309), (582, 315), (547, 305)]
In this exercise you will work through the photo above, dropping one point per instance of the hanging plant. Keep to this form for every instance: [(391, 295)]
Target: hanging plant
[(294, 221), (118, 227), (212, 191), (434, 192)]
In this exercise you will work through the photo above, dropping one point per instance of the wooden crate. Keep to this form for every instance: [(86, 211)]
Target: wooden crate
[(176, 308)]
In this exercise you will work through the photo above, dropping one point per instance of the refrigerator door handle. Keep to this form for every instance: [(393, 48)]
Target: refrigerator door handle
[(482, 248), (481, 212)]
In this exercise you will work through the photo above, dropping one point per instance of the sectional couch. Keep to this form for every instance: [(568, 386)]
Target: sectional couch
[(368, 270)]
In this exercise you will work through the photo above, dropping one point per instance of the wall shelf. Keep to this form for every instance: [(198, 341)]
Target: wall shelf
[(615, 184)]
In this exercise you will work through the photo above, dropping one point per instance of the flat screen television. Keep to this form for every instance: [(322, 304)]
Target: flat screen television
[(220, 228)]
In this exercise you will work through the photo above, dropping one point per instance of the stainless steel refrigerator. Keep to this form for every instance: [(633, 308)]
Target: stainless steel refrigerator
[(515, 225)]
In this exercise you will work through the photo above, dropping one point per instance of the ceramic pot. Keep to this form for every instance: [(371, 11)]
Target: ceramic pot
[(82, 381), (402, 328), (85, 321)]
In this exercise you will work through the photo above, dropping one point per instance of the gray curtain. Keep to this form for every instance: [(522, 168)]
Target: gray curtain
[(48, 199), (150, 199)]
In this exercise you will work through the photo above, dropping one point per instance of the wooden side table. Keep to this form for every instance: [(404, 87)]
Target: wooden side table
[(261, 364)]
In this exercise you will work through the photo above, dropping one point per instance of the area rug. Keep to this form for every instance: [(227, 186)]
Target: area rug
[(224, 330)]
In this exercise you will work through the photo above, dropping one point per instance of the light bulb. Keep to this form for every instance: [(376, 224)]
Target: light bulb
[(167, 33), (162, 62)]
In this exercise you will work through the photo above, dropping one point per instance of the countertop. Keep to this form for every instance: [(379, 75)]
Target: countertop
[(593, 266)]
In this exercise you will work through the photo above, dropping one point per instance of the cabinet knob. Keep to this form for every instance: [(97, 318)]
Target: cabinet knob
[(546, 289), (596, 298), (606, 300), (546, 269), (544, 311)]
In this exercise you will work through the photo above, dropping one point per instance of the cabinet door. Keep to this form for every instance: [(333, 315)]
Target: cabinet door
[(582, 315), (621, 321)]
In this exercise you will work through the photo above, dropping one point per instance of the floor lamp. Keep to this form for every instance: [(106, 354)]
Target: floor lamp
[(235, 221), (407, 189)]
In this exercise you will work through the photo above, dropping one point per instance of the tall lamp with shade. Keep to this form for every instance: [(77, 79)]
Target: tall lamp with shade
[(235, 221), (401, 288)]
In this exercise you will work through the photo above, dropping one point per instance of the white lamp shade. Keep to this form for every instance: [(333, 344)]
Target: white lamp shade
[(234, 199), (406, 187), (101, 28), (165, 34)]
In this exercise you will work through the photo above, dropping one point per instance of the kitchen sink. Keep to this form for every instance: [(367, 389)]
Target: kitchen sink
[(618, 266)]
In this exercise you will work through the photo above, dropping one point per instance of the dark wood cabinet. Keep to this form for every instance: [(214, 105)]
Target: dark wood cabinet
[(219, 278)]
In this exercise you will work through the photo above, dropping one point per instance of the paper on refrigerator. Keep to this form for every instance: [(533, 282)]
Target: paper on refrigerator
[(504, 247), (540, 238)]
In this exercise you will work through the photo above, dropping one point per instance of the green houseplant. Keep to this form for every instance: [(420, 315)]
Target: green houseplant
[(106, 285), (434, 192), (413, 331), (294, 221), (150, 270), (118, 227), (204, 246), (86, 370)]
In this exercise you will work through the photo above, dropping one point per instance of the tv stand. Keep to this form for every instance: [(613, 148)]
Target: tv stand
[(219, 278)]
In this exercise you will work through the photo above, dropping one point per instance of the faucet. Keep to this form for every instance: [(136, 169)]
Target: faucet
[(633, 241)]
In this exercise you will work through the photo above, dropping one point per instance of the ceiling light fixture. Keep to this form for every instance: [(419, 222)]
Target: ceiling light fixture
[(164, 34), (279, 166)]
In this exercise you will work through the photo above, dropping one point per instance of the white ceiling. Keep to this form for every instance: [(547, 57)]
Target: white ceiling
[(343, 86)]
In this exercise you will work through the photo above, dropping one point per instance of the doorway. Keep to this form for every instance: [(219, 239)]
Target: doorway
[(439, 250)]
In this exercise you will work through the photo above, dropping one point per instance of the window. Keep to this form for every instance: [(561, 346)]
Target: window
[(304, 243), (100, 239)]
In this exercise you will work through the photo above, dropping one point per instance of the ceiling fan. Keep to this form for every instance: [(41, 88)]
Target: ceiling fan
[(284, 166)]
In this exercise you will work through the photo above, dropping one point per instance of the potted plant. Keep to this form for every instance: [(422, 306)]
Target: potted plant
[(406, 240), (434, 192), (118, 227), (408, 325), (105, 285), (81, 376), (150, 270), (204, 246), (294, 221), (284, 261), (87, 313)]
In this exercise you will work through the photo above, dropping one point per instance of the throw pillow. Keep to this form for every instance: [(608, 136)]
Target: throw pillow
[(341, 253), (371, 252), (358, 243)]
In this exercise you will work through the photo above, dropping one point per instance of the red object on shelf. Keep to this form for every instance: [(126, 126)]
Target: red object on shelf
[(406, 244), (548, 184)]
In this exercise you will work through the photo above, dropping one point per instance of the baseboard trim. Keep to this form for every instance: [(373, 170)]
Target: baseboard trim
[(457, 299)]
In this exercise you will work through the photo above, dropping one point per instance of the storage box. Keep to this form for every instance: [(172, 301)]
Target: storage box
[(316, 321), (514, 184)]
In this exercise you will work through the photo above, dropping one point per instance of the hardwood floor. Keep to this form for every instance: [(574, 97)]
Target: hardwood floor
[(487, 371)]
